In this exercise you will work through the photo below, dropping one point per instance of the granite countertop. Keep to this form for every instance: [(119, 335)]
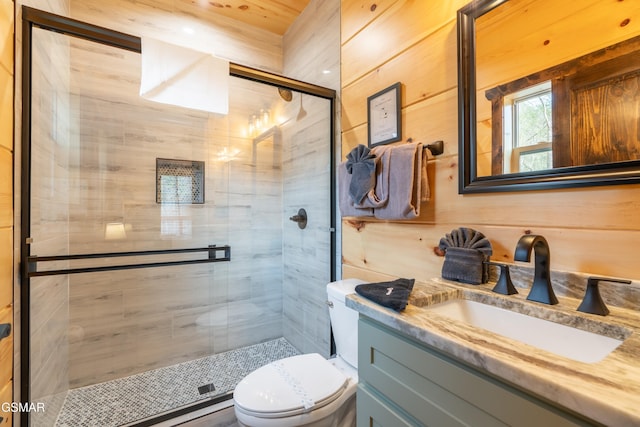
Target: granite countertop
[(607, 391)]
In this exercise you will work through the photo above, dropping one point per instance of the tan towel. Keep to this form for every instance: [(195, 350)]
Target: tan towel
[(408, 183)]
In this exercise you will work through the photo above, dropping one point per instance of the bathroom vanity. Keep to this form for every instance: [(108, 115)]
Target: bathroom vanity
[(419, 367)]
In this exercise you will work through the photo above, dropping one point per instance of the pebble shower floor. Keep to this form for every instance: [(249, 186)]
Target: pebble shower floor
[(134, 398)]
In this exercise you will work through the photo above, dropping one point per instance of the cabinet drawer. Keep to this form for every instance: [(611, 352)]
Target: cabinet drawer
[(438, 390), (374, 411)]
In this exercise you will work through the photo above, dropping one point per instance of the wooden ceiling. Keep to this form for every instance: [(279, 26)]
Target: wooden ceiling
[(271, 15)]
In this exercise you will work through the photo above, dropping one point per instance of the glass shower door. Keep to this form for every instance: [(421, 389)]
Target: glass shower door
[(113, 174)]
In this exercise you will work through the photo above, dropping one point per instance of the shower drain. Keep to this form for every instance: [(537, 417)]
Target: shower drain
[(207, 388)]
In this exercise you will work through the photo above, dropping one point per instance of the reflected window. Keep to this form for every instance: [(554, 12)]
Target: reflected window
[(528, 129), (179, 181)]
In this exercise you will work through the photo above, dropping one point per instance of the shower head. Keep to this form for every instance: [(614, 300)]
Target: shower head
[(285, 94)]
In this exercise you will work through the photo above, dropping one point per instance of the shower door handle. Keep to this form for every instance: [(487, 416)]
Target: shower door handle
[(5, 330)]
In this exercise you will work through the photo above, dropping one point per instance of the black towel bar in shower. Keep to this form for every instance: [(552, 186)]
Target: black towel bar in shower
[(212, 256)]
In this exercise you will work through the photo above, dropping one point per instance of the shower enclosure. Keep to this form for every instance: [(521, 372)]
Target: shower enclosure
[(159, 264)]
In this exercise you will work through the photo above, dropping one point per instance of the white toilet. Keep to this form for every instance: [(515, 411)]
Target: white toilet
[(307, 390)]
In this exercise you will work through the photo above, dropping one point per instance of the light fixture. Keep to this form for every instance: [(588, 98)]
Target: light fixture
[(258, 122)]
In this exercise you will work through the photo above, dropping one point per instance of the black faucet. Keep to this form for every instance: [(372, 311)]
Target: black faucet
[(541, 289)]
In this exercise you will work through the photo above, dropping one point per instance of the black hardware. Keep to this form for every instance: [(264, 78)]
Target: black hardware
[(504, 285), (592, 301), (212, 251), (5, 330), (300, 218), (436, 148), (541, 289)]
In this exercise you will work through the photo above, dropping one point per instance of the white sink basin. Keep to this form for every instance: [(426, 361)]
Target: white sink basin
[(559, 339)]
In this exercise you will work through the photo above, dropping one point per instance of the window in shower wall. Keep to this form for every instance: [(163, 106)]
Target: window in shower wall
[(108, 348)]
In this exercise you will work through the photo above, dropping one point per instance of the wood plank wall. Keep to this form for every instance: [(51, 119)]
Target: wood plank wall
[(590, 230), (6, 202)]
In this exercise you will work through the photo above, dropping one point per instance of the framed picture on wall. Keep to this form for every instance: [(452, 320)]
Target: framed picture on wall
[(383, 116)]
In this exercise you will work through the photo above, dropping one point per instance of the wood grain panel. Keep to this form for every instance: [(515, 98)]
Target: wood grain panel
[(6, 348), (406, 250), (274, 16), (6, 266), (169, 21), (590, 230), (426, 121), (356, 14), (6, 396), (6, 35), (6, 202), (6, 106), (6, 187), (427, 60), (527, 41), (398, 28)]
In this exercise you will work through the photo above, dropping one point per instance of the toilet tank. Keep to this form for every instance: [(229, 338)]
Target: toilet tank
[(344, 321)]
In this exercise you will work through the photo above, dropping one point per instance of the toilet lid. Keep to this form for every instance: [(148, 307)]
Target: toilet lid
[(290, 386)]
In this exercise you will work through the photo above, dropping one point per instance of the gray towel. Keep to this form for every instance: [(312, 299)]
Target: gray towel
[(361, 164), (345, 202), (379, 195), (394, 294)]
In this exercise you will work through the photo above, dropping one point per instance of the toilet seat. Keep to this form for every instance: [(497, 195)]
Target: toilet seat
[(289, 387)]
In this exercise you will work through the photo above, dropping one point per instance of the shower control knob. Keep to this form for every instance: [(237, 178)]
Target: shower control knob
[(330, 304), (300, 218)]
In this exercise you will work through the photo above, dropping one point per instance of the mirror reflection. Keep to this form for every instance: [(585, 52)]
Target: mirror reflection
[(555, 85)]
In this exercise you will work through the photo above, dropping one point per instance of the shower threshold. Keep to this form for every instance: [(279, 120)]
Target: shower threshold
[(128, 400)]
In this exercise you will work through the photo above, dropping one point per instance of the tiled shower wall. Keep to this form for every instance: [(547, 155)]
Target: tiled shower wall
[(311, 53), (131, 321)]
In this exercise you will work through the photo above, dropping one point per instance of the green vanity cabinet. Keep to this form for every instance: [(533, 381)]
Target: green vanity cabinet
[(406, 383)]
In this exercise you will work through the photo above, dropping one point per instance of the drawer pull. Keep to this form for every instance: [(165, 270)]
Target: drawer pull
[(5, 330)]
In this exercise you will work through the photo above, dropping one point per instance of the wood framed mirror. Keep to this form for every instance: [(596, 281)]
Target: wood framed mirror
[(577, 87)]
